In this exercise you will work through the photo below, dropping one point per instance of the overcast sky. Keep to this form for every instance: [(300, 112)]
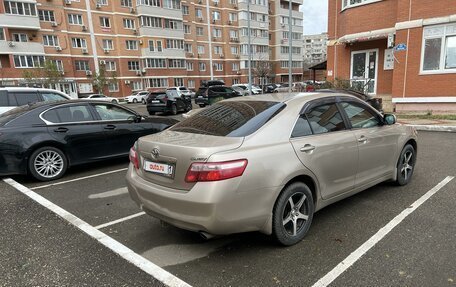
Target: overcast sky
[(315, 16)]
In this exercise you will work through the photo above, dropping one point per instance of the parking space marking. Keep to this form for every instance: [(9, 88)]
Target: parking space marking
[(119, 220), (79, 178), (115, 192), (147, 266), (363, 249)]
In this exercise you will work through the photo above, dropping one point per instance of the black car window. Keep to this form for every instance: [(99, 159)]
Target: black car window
[(359, 116), (24, 98), (325, 118), (230, 119), (302, 127), (112, 112), (3, 99), (50, 96), (228, 90), (68, 114)]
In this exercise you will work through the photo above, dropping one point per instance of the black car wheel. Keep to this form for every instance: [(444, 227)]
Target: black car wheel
[(151, 113), (202, 105), (143, 101), (173, 109), (406, 165), (188, 107), (135, 101), (47, 163), (292, 214)]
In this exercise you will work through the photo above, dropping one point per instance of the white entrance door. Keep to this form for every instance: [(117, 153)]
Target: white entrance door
[(363, 70)]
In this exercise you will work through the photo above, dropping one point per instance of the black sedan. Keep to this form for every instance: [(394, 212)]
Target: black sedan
[(44, 139), (168, 102)]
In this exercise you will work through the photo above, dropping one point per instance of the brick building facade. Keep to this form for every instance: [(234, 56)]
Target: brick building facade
[(399, 49), (148, 44)]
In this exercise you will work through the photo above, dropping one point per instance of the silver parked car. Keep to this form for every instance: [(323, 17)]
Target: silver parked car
[(267, 163)]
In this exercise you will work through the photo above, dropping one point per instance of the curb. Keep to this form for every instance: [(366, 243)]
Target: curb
[(434, 128)]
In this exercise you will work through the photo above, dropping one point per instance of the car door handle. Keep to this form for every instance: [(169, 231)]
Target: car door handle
[(307, 148), (362, 139), (110, 127), (60, 130)]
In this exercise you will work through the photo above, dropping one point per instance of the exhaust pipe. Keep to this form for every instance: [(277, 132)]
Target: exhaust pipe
[(205, 235)]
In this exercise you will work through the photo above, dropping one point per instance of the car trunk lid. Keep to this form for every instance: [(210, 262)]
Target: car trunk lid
[(166, 157)]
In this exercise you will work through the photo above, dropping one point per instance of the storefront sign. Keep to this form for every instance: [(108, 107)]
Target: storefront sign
[(85, 88), (401, 47), (389, 60)]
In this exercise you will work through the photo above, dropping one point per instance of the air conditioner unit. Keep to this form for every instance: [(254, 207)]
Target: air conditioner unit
[(135, 32), (68, 2), (132, 10), (222, 56), (237, 56), (84, 28), (238, 72), (214, 39), (216, 3), (11, 44), (58, 48), (98, 6), (62, 73), (283, 24), (54, 24), (191, 55), (200, 19), (143, 71), (88, 73), (199, 55), (213, 20), (102, 62), (106, 51), (141, 42), (127, 82), (85, 51), (138, 73), (200, 1), (230, 22)]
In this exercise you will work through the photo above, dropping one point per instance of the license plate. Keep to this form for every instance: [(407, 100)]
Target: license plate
[(155, 102), (160, 168), (200, 97)]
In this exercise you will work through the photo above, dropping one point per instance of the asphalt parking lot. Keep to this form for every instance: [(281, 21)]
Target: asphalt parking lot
[(418, 251)]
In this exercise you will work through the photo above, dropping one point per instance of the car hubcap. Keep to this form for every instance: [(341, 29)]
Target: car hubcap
[(48, 164), (407, 166), (295, 214)]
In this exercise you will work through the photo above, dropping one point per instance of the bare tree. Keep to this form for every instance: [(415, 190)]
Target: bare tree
[(263, 68), (101, 79), (46, 75)]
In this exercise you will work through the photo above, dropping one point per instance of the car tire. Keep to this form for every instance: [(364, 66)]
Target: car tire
[(47, 163), (173, 109), (151, 113), (292, 214), (135, 101), (406, 165), (276, 91), (188, 107), (143, 101), (202, 105), (114, 102)]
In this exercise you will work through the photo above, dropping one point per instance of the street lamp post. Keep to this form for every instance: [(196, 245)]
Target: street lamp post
[(249, 48), (290, 47)]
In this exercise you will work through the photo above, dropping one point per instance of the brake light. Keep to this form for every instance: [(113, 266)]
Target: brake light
[(134, 158), (165, 99), (215, 171)]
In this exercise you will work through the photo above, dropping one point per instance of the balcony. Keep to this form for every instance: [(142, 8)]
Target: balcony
[(294, 14), (166, 53), (161, 32), (8, 47), (253, 24), (254, 40), (253, 8), (20, 22), (256, 57), (147, 10)]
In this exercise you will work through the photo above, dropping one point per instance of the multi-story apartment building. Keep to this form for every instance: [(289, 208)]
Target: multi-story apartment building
[(314, 48), (147, 44), (401, 49)]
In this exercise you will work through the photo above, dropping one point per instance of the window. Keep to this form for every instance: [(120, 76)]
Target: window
[(191, 83), (152, 22), (126, 3), (189, 66), (216, 32), (110, 66), (235, 66), (58, 64), (353, 3), (50, 40), (174, 44), (155, 63), (200, 49), (46, 15), (151, 46), (81, 65), (20, 8), (108, 44), (131, 44), (359, 116), (158, 82), (69, 114), (199, 13), (176, 63), (234, 34), (30, 61), (202, 66), (2, 34), (218, 66), (199, 31), (216, 15), (75, 19), (234, 50), (172, 4), (113, 86), (178, 82), (104, 22), (129, 23), (111, 112), (325, 118), (136, 85), (188, 48), (173, 24), (302, 127), (19, 37), (187, 29), (218, 50), (185, 10), (78, 43), (133, 65), (439, 49), (232, 17), (102, 2), (153, 3)]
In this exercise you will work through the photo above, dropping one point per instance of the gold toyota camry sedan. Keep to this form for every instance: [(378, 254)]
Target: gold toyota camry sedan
[(267, 163)]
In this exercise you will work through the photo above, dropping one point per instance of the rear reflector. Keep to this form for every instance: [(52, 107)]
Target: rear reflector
[(215, 171), (134, 159)]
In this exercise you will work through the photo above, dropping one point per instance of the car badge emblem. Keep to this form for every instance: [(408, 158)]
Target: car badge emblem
[(155, 153)]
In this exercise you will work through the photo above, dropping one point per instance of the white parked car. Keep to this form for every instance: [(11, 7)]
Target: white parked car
[(11, 97), (255, 89), (137, 97), (181, 90), (100, 97)]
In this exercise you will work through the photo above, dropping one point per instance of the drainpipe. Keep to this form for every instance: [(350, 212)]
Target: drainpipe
[(92, 37), (290, 47), (249, 52), (208, 12)]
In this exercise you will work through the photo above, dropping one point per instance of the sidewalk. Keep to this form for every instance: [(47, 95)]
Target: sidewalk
[(429, 124)]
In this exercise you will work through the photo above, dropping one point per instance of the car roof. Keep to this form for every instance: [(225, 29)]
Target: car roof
[(24, 89)]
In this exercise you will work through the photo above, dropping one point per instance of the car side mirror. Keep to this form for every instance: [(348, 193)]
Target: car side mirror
[(390, 119)]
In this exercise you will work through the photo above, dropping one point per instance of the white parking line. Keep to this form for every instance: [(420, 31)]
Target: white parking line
[(152, 269), (363, 249), (79, 178), (115, 192), (119, 220)]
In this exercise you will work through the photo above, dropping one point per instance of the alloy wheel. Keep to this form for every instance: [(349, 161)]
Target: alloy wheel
[(407, 165), (295, 214), (48, 164)]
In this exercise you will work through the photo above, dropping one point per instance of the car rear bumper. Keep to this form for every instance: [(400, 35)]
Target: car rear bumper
[(204, 101), (10, 164), (158, 109), (213, 207)]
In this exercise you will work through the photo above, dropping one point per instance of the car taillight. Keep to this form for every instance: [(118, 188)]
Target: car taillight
[(215, 171), (134, 158), (165, 99)]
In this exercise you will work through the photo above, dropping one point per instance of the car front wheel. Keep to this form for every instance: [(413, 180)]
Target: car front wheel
[(292, 214), (47, 163), (406, 165), (174, 109), (135, 101)]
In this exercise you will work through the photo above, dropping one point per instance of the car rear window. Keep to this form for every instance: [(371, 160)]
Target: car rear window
[(230, 119), (14, 113)]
